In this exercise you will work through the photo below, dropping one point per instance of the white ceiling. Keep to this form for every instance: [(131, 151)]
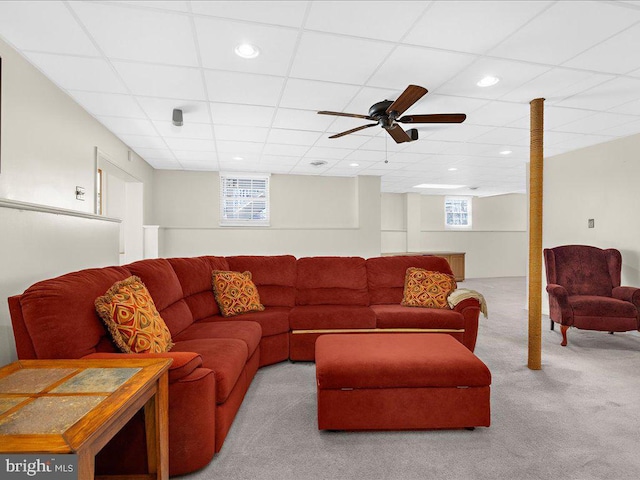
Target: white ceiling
[(130, 63)]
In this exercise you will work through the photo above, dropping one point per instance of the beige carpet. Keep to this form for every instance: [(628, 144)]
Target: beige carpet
[(577, 418)]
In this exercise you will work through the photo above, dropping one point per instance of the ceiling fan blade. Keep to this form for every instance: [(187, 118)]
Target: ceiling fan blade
[(398, 134), (337, 135), (411, 95), (434, 118), (341, 114)]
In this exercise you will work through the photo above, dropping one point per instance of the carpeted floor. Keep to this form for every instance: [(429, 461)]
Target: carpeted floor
[(577, 418)]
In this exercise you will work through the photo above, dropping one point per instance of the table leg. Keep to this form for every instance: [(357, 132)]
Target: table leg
[(157, 430), (86, 465)]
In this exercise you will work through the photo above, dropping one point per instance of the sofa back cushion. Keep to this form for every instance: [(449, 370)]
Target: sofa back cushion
[(60, 315), (331, 281), (194, 275), (386, 275), (162, 282), (275, 277)]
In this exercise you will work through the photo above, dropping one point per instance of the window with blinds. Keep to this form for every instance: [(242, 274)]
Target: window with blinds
[(244, 200), (457, 212)]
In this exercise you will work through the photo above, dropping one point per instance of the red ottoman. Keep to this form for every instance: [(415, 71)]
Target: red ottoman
[(399, 381)]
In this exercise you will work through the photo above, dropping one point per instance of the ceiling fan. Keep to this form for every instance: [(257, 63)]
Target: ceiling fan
[(387, 115)]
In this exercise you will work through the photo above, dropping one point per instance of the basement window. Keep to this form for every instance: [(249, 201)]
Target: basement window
[(457, 212), (244, 200)]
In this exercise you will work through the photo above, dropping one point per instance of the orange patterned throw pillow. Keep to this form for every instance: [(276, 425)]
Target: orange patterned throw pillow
[(129, 313), (424, 288), (235, 293)]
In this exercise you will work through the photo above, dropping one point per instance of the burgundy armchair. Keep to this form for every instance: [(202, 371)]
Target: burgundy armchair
[(584, 289)]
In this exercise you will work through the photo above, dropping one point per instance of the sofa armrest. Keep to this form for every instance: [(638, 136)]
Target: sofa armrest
[(560, 310), (470, 310), (184, 363)]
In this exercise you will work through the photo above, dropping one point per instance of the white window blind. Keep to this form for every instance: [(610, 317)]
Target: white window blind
[(457, 212), (244, 199)]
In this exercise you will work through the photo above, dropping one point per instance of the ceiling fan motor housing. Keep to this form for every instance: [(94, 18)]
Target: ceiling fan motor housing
[(379, 109)]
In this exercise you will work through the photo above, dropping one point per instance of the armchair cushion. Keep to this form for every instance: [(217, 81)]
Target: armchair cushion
[(593, 306)]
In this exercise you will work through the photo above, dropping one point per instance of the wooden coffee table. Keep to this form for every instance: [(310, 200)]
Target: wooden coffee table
[(77, 406)]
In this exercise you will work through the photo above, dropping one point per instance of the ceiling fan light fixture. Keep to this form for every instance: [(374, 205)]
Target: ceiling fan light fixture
[(488, 81), (247, 50)]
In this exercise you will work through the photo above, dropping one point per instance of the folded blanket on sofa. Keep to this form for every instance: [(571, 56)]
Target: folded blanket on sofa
[(462, 294)]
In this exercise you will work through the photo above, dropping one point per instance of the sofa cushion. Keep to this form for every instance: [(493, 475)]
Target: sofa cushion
[(273, 320), (130, 315), (165, 289), (227, 358), (426, 288), (60, 313), (235, 293), (319, 317), (331, 281), (595, 306), (249, 332), (386, 275), (194, 275), (397, 316), (275, 277)]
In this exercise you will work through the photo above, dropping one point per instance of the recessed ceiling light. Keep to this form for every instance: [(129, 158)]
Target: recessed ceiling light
[(488, 81), (453, 169), (506, 152), (354, 164), (438, 185), (238, 158), (246, 50)]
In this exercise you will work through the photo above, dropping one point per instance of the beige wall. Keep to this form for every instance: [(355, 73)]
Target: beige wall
[(496, 246), (599, 182), (310, 215), (48, 148)]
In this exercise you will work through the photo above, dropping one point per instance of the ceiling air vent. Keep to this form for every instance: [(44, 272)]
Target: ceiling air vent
[(319, 163)]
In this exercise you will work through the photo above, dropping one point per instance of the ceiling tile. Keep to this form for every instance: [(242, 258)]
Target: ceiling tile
[(301, 120), (596, 123), (108, 104), (427, 146), (505, 136), (511, 75), (630, 108), (245, 88), (554, 117), (177, 6), (471, 26), (348, 141), (327, 153), (383, 20), (293, 137), (217, 39), (329, 57), (555, 85), (44, 27), (187, 130), (128, 126), (285, 150), (419, 66), (237, 114), (342, 124), (312, 95), (623, 130), (606, 95), (556, 36), (279, 160), (618, 54), (278, 13), (498, 114), (161, 81), (239, 148), (78, 73), (191, 144), (459, 133), (139, 34), (155, 153), (241, 133), (162, 109), (369, 156)]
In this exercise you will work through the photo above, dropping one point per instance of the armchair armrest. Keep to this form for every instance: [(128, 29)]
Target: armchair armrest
[(559, 304), (628, 294), (183, 364)]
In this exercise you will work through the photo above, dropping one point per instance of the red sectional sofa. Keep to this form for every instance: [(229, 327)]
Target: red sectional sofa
[(216, 358)]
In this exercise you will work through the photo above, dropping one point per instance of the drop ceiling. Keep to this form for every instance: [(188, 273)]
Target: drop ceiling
[(130, 63)]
